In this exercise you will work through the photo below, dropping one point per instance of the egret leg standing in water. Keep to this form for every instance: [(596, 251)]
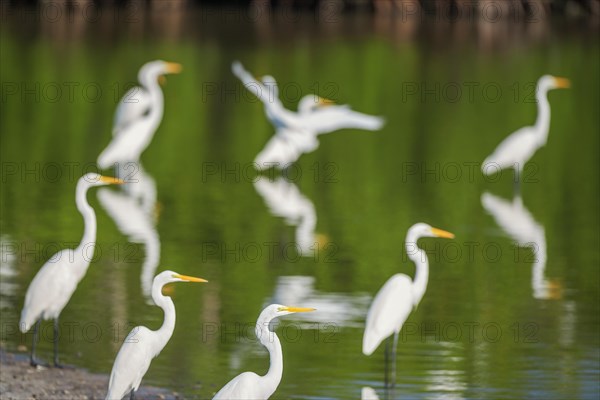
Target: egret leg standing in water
[(54, 284), (399, 295), (521, 145)]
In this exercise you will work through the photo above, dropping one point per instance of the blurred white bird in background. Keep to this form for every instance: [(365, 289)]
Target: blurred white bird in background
[(142, 344), (399, 295), (249, 385), (54, 284), (133, 211), (518, 223), (284, 199), (296, 132), (519, 147), (138, 115)]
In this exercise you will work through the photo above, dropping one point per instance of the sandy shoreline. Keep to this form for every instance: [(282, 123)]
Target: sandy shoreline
[(20, 381)]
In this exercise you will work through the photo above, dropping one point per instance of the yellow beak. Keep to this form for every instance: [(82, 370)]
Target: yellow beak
[(109, 180), (189, 278), (443, 234), (562, 82), (325, 102), (173, 68), (296, 309)]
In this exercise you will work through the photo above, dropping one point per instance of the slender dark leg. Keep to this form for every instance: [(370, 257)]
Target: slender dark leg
[(393, 368), (387, 362), (36, 328), (56, 333), (132, 395)]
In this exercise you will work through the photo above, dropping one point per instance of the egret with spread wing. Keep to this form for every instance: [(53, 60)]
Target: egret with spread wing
[(54, 284), (296, 132)]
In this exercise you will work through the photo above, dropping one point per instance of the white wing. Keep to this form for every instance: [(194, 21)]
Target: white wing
[(284, 148), (131, 364), (332, 118), (250, 82), (51, 288), (134, 104), (390, 308), (129, 144), (245, 386), (513, 151)]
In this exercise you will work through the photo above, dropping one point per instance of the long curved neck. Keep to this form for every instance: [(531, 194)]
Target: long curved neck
[(419, 257), (542, 124), (165, 332), (270, 340), (89, 218), (156, 98)]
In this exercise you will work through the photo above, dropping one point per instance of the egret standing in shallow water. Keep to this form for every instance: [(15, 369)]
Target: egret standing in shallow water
[(138, 115), (249, 385), (143, 344), (296, 132), (54, 284), (519, 147), (399, 295)]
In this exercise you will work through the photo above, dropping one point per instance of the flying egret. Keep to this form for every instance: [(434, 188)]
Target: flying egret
[(54, 284), (519, 147), (296, 132), (138, 116), (142, 344), (518, 223), (399, 295), (249, 385)]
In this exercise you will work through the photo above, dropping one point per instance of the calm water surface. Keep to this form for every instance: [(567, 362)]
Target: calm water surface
[(511, 309)]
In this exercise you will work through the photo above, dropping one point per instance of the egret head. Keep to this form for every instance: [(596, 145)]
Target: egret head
[(421, 229), (549, 82), (155, 70), (171, 276), (312, 102)]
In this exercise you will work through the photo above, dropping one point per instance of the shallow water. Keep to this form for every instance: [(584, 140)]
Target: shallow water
[(485, 327)]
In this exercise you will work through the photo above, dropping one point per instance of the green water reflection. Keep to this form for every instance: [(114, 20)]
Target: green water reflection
[(478, 333)]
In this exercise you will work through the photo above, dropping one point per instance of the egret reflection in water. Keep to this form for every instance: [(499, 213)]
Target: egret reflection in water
[(518, 223), (133, 210), (338, 309), (296, 132), (284, 199)]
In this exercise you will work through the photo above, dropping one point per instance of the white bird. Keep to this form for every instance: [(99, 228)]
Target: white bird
[(142, 344), (54, 284), (296, 132), (284, 199), (518, 223), (138, 115), (399, 295), (519, 147), (249, 385), (133, 212)]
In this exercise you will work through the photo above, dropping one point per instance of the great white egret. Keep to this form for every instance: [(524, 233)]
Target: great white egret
[(399, 295), (249, 385), (142, 344), (138, 116), (519, 147), (54, 284), (518, 223), (284, 199), (296, 132)]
